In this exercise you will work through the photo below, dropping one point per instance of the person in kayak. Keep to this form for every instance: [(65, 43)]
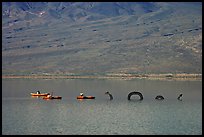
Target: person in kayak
[(81, 94)]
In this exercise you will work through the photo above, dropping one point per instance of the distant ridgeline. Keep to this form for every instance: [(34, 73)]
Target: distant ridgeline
[(99, 38)]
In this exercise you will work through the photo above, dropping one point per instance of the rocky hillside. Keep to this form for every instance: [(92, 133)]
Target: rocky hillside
[(101, 37)]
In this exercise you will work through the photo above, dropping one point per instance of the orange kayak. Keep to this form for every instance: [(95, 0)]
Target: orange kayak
[(85, 97), (52, 97), (42, 94)]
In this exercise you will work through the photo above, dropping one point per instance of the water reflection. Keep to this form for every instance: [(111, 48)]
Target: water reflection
[(26, 115)]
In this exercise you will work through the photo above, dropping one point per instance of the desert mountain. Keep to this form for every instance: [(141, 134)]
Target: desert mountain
[(101, 37)]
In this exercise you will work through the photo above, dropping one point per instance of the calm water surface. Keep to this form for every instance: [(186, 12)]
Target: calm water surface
[(26, 115)]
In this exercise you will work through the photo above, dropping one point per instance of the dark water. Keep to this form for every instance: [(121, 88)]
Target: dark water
[(26, 115)]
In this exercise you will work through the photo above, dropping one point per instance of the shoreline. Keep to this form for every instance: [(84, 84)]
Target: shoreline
[(111, 76)]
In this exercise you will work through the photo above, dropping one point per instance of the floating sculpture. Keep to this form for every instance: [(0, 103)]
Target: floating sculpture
[(159, 97), (179, 97), (135, 93), (111, 97)]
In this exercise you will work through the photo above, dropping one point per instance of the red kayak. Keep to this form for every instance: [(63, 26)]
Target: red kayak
[(41, 94), (85, 97), (52, 97)]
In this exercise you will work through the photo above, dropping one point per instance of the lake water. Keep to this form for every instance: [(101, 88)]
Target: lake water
[(26, 115)]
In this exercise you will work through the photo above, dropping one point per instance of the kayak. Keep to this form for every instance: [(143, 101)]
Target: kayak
[(85, 97), (42, 94), (52, 97)]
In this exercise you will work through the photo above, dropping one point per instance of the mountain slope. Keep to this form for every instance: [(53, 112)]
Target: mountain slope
[(100, 38)]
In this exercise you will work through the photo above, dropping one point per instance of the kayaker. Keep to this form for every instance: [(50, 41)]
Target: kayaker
[(49, 95), (38, 92), (81, 94)]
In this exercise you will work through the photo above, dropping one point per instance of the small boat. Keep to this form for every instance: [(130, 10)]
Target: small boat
[(85, 97), (52, 97), (81, 96), (39, 94)]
